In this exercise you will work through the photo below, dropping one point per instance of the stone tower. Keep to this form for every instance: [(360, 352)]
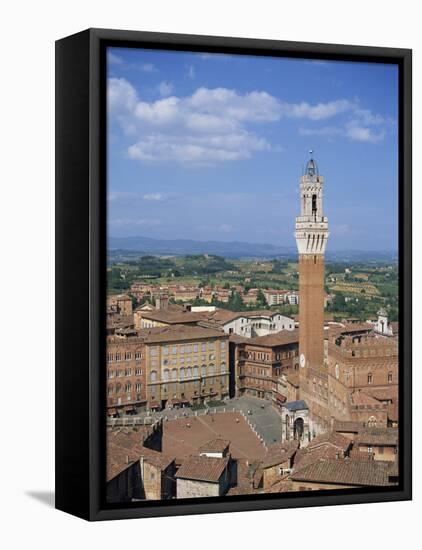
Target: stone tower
[(311, 237)]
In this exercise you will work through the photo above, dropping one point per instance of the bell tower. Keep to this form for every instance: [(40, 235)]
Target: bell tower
[(311, 238)]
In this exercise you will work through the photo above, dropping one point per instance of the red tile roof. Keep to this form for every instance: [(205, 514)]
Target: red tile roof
[(126, 446), (202, 468), (345, 472), (378, 436), (214, 446)]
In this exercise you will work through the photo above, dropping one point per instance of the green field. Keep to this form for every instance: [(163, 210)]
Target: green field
[(357, 290)]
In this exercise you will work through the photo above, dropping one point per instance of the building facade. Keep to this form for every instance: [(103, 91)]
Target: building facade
[(363, 375), (260, 362), (185, 365), (126, 375)]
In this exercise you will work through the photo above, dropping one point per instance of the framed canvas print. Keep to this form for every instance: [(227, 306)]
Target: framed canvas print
[(233, 274)]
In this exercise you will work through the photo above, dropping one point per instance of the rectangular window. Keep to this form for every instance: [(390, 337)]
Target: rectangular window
[(138, 371), (128, 356), (174, 350), (138, 355)]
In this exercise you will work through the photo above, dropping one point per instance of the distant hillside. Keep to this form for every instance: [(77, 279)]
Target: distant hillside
[(234, 249), (118, 246)]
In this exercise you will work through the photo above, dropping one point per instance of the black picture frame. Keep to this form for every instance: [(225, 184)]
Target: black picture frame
[(81, 261)]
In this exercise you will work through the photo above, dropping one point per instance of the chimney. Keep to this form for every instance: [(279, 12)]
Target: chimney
[(161, 301)]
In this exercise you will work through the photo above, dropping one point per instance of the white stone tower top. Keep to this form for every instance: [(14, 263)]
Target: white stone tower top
[(311, 226)]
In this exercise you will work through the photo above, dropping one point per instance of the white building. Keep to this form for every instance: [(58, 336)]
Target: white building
[(257, 323)]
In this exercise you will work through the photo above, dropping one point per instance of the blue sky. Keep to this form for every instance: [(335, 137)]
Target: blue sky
[(211, 147)]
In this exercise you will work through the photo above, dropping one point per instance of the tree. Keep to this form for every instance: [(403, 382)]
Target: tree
[(235, 302), (260, 298)]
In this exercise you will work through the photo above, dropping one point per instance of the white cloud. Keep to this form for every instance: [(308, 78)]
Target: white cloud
[(225, 227), (127, 195), (147, 68), (212, 126), (121, 96), (359, 127), (319, 111), (153, 197), (361, 133), (135, 221), (165, 88), (114, 59), (197, 150)]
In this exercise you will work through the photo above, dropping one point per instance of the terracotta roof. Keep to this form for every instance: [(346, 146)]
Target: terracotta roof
[(345, 472), (306, 456), (202, 468), (386, 394), (214, 446), (284, 485), (361, 398), (378, 436), (356, 454), (356, 327), (277, 339), (126, 446), (279, 452), (175, 333), (173, 317), (249, 475), (120, 321), (333, 439)]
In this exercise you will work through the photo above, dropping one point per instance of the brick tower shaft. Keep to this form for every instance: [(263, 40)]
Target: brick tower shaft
[(311, 309)]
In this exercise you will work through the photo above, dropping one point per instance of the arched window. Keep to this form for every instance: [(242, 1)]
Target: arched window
[(195, 371), (370, 378), (203, 370), (182, 373), (372, 422), (174, 374), (211, 369), (128, 387), (110, 390), (189, 372), (153, 376), (166, 374), (223, 367), (390, 376), (118, 388), (314, 204)]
